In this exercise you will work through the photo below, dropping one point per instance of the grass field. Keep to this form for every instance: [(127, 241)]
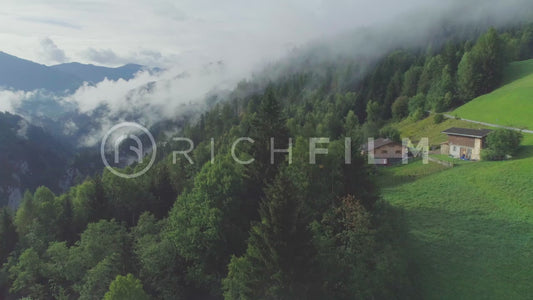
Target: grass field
[(427, 128), (455, 161), (510, 105), (470, 227)]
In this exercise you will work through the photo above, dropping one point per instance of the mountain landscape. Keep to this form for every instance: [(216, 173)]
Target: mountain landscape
[(293, 180), (37, 148), (25, 75)]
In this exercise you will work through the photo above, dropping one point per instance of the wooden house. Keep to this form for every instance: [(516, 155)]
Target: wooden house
[(386, 151), (464, 143)]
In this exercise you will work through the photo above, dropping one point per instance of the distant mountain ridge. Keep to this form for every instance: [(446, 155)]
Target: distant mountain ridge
[(94, 74), (21, 74)]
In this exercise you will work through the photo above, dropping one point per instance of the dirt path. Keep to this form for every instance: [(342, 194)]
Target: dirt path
[(490, 125)]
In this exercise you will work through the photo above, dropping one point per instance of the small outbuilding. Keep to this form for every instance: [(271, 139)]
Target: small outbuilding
[(386, 151), (464, 143)]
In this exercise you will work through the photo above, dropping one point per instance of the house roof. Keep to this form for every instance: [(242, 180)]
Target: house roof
[(475, 133), (378, 143)]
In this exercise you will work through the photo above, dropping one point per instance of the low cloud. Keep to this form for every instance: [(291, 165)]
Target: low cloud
[(150, 97), (145, 57), (102, 56), (212, 49), (22, 131), (11, 100), (158, 95), (51, 53)]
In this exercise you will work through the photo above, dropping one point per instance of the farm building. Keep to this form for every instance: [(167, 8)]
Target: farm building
[(386, 151), (464, 143)]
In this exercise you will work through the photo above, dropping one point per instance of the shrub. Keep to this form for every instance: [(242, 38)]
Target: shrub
[(416, 103), (501, 143), (390, 133), (400, 108), (488, 154), (419, 114), (439, 118)]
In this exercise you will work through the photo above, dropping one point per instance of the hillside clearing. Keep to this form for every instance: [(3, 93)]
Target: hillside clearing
[(470, 227)]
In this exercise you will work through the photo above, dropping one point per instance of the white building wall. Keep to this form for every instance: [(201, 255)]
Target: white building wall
[(476, 153), (455, 151)]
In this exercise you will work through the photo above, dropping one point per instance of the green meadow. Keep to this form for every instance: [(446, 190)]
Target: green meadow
[(510, 105), (427, 128), (470, 228)]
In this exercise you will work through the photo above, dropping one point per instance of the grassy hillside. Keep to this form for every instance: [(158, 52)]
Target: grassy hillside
[(427, 128), (470, 227), (514, 98)]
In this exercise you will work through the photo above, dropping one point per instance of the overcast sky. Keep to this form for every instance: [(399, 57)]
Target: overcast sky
[(192, 36), (162, 32)]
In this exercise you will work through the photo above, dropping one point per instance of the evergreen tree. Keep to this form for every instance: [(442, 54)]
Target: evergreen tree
[(126, 287), (161, 188), (26, 276), (394, 89), (66, 222), (279, 260), (352, 127), (161, 268), (431, 70), (468, 77), (481, 70), (410, 81), (25, 214), (98, 206), (440, 87), (8, 234), (209, 223), (526, 44), (373, 112), (46, 225), (489, 51), (269, 122), (400, 108)]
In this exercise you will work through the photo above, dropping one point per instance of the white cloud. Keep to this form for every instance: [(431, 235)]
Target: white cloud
[(102, 56), (10, 100), (187, 29), (185, 36), (51, 53), (246, 32), (22, 132)]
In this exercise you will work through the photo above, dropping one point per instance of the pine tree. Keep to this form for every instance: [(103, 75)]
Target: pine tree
[(468, 77), (394, 89), (410, 81), (489, 50), (98, 207), (279, 261), (25, 214), (481, 70), (269, 122), (66, 222), (164, 193), (8, 234)]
